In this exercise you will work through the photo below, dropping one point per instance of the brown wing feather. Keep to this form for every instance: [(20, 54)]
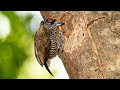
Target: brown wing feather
[(37, 49), (39, 43), (37, 56)]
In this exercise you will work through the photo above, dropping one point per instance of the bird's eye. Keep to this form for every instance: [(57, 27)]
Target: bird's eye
[(47, 21), (50, 21)]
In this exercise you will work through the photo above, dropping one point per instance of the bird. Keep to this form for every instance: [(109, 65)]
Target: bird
[(46, 46)]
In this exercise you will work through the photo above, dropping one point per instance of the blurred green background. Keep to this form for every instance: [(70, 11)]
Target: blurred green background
[(17, 59)]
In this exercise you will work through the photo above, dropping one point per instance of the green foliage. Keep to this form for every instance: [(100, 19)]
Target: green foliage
[(15, 47), (17, 58)]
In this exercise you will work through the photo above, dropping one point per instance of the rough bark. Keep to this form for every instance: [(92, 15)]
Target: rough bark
[(91, 43)]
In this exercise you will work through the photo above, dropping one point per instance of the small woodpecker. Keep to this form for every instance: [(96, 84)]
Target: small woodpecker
[(46, 45)]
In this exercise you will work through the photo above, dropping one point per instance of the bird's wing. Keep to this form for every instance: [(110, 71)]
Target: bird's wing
[(37, 51)]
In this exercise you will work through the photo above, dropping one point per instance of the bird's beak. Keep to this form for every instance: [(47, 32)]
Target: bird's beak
[(56, 24), (59, 24)]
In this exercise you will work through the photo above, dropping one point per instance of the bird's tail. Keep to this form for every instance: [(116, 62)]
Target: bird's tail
[(46, 66)]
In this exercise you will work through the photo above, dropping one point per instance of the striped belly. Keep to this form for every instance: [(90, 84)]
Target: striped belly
[(53, 45)]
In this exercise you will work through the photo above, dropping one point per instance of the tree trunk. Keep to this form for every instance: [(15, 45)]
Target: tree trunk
[(91, 43)]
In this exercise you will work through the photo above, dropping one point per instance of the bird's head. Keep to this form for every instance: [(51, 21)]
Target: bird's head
[(52, 23)]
